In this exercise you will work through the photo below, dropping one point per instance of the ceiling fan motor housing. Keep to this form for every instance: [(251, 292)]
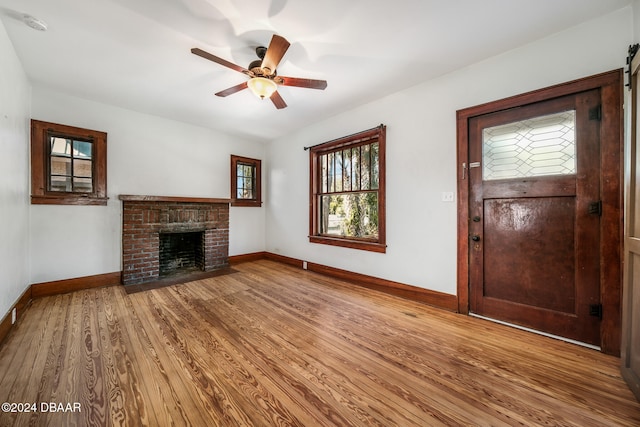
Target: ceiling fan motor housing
[(261, 51), (256, 66)]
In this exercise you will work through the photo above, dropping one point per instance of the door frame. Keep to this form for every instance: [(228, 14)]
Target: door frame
[(611, 146), (631, 286)]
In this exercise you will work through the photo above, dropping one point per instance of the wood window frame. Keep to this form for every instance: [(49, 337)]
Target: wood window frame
[(378, 135), (40, 165), (257, 168)]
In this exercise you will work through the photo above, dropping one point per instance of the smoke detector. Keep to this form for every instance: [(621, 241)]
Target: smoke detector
[(34, 22)]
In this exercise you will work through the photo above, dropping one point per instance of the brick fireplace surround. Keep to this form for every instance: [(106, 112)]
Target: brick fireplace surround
[(145, 217)]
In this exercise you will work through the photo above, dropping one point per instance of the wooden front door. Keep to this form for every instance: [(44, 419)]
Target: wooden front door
[(534, 205), (630, 354), (549, 204)]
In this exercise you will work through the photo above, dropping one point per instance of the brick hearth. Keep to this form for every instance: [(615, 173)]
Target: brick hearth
[(145, 217)]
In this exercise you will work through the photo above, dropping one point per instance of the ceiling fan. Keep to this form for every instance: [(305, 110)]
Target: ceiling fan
[(263, 79)]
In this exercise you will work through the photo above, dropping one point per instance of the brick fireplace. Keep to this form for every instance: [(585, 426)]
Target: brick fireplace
[(190, 227)]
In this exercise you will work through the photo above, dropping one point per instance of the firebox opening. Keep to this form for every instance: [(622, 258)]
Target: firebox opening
[(181, 252)]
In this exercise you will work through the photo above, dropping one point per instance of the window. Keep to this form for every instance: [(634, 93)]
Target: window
[(245, 181), (347, 195), (68, 165)]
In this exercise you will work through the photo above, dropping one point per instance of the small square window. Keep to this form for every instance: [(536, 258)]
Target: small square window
[(245, 181), (68, 165)]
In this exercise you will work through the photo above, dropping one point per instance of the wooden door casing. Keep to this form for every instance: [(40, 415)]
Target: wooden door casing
[(610, 86), (630, 352)]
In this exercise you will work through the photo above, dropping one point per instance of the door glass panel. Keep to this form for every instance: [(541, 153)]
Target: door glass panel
[(539, 146)]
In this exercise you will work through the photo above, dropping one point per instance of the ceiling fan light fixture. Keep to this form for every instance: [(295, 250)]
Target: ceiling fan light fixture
[(262, 87)]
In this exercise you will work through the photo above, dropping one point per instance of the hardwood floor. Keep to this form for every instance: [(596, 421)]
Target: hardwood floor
[(273, 345)]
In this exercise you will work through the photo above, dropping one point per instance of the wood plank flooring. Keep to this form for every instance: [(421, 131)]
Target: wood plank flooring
[(271, 345)]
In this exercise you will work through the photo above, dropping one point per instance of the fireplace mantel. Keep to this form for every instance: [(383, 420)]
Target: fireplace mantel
[(136, 198)]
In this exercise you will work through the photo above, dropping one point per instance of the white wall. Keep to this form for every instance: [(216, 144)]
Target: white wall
[(146, 155), (15, 93), (636, 21), (421, 153)]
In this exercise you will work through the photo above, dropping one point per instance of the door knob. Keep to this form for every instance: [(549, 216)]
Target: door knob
[(475, 238)]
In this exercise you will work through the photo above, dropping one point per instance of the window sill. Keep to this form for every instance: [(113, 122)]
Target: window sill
[(246, 203), (68, 200), (353, 244)]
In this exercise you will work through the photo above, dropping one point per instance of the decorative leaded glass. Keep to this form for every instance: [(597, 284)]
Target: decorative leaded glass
[(538, 146)]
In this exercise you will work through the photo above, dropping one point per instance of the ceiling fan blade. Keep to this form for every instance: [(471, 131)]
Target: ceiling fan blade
[(307, 83), (218, 60), (278, 101), (276, 50), (232, 90)]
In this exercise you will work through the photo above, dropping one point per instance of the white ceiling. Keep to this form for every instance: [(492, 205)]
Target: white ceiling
[(136, 53)]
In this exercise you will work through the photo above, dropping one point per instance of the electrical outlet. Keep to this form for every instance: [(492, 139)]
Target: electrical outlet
[(14, 315), (304, 265), (447, 196)]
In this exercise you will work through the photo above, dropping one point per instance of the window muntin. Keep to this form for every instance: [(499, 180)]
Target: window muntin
[(347, 191), (68, 165), (245, 181)]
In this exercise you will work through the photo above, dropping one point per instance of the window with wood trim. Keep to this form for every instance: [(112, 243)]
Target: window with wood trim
[(347, 194), (68, 165), (246, 186)]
